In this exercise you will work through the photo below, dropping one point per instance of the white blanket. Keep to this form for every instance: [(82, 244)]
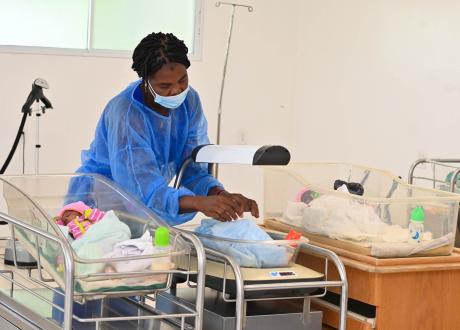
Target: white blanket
[(133, 247), (345, 218)]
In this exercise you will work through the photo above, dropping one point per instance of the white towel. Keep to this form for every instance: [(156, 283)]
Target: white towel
[(386, 250), (133, 247)]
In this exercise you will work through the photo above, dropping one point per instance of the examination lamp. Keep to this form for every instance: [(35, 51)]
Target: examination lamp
[(241, 154), (235, 154)]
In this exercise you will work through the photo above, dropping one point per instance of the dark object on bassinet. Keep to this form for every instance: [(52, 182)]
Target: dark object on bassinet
[(23, 258), (354, 188)]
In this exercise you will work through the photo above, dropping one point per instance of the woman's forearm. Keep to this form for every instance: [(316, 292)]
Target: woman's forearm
[(189, 204)]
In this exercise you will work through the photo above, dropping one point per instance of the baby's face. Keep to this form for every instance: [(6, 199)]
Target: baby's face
[(68, 216)]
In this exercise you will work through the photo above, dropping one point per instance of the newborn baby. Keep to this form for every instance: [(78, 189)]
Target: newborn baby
[(78, 217)]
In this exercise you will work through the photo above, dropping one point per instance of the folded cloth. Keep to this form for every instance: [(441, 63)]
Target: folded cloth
[(257, 255), (385, 250), (100, 239), (294, 213), (133, 247)]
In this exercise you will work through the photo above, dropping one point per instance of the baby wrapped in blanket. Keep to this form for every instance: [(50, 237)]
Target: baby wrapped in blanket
[(256, 255), (99, 240), (74, 219)]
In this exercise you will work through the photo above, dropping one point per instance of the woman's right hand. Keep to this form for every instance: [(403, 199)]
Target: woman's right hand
[(220, 207)]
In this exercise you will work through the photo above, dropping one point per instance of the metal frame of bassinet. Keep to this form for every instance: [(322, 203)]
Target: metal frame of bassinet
[(15, 276), (228, 262), (453, 163)]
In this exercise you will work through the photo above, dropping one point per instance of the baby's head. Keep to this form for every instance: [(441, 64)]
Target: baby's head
[(68, 216), (70, 212)]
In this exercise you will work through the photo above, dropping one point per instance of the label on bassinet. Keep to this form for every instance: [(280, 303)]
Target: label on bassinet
[(282, 274)]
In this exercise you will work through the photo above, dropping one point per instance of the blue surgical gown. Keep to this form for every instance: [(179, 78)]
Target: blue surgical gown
[(142, 151)]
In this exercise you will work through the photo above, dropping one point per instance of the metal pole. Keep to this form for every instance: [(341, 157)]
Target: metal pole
[(222, 85), (68, 264), (410, 178), (37, 140), (181, 172), (453, 180), (200, 279), (239, 283), (343, 280)]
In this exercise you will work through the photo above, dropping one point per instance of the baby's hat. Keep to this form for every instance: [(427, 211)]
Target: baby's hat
[(77, 206)]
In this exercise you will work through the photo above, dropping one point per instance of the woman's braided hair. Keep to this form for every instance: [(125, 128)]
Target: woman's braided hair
[(156, 50)]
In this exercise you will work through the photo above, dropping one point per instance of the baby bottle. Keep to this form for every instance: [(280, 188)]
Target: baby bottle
[(162, 245), (417, 218)]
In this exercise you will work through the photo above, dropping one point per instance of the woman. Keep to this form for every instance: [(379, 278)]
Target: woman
[(150, 128)]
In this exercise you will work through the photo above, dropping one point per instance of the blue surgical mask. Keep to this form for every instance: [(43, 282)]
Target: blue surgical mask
[(170, 102)]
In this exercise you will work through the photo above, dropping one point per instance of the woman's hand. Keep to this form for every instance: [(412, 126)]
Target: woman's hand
[(219, 207), (246, 204), (224, 206)]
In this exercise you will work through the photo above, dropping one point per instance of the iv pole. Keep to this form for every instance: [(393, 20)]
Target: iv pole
[(36, 94), (219, 111), (38, 113)]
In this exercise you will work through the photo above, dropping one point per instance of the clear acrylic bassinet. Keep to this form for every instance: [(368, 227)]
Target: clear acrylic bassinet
[(33, 201), (377, 223)]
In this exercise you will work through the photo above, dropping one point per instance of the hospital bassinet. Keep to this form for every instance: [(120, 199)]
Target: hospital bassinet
[(438, 173), (242, 284), (29, 203), (242, 273), (302, 196), (267, 262)]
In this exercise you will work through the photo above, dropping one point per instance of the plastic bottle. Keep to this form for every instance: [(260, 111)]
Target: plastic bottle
[(417, 219), (162, 245)]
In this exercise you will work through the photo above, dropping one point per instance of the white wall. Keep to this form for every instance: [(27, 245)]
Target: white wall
[(378, 82), (370, 82), (256, 106)]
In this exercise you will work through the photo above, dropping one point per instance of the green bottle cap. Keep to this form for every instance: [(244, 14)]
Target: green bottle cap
[(162, 236), (418, 214)]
